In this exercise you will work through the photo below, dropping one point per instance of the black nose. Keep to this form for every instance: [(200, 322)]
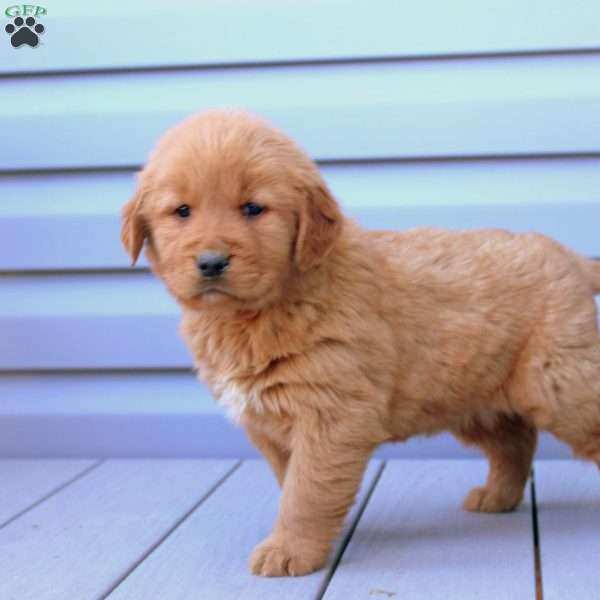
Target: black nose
[(212, 264)]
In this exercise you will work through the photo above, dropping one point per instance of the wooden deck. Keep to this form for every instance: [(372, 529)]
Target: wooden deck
[(183, 529)]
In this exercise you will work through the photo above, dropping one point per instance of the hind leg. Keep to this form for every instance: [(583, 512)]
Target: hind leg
[(509, 446), (561, 394), (576, 398)]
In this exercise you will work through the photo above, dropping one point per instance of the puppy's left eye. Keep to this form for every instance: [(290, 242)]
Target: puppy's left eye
[(183, 211), (251, 209)]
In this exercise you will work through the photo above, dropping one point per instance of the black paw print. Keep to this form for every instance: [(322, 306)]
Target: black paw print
[(22, 32)]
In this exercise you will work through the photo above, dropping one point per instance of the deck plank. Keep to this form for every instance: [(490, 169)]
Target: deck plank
[(568, 507), (415, 541), (25, 483), (206, 557), (80, 542)]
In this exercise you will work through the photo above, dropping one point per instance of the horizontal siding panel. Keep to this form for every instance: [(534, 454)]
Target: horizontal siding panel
[(146, 414), (95, 341), (182, 436), (533, 105), (109, 393), (85, 242), (84, 295), (71, 221), (88, 321), (148, 34), (63, 326)]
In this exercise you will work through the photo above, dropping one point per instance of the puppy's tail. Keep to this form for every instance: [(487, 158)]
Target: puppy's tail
[(592, 270)]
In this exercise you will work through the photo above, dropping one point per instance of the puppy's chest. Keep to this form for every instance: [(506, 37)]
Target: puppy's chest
[(246, 374), (235, 390), (236, 397)]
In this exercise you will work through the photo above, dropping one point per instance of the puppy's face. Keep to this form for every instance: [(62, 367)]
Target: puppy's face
[(230, 210)]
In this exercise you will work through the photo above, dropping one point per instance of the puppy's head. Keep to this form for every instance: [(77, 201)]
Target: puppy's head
[(230, 211)]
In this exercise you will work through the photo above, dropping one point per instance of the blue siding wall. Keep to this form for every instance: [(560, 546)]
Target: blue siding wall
[(459, 114)]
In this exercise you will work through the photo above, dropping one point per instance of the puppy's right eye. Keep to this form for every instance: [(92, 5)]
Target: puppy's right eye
[(183, 211)]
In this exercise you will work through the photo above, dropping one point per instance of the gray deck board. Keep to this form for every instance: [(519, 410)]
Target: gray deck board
[(80, 542), (568, 507), (414, 541), (183, 530), (207, 556), (24, 483)]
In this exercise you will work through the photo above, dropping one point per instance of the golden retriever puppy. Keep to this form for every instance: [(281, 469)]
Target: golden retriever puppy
[(324, 340)]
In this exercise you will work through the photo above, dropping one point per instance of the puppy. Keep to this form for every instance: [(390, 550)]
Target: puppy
[(324, 340)]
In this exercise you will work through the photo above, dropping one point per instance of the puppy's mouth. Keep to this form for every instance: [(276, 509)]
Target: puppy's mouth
[(208, 290), (214, 290)]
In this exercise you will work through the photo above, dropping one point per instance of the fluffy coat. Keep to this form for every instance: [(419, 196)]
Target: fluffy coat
[(325, 340)]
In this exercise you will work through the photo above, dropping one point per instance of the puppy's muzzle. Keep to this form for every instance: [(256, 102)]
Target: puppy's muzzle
[(212, 264)]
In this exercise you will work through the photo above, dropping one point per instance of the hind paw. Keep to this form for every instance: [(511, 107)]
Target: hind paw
[(492, 500)]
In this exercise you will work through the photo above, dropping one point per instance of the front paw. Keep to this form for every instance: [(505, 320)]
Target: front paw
[(490, 500), (276, 557)]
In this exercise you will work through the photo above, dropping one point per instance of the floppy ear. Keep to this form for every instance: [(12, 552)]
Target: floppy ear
[(133, 228), (319, 226)]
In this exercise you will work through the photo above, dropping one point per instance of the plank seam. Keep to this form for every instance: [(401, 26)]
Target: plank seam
[(60, 371), (274, 64), (169, 531), (348, 537), (374, 160), (100, 271), (537, 557), (52, 492)]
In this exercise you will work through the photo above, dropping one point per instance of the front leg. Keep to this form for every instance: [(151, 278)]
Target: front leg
[(277, 457), (321, 483)]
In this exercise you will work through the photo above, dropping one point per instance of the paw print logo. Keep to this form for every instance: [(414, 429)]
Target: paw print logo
[(24, 31)]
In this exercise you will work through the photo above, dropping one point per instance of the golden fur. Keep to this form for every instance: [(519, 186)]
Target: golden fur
[(325, 340)]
